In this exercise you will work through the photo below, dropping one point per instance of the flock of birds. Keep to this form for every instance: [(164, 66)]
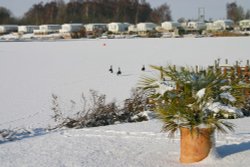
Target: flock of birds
[(119, 72)]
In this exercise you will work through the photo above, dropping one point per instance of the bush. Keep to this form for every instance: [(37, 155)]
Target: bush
[(100, 113)]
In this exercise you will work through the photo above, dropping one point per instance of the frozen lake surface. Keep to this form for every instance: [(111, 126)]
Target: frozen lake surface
[(31, 71)]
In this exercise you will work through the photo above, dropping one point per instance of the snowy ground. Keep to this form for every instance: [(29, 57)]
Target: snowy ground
[(132, 144), (31, 71)]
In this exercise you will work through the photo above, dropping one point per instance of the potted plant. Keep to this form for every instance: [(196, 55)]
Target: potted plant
[(193, 102)]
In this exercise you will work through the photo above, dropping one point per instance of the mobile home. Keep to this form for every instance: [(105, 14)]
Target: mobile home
[(27, 28), (145, 27), (170, 26), (245, 25), (96, 27), (48, 29), (5, 29), (193, 25), (223, 24), (118, 27), (69, 28)]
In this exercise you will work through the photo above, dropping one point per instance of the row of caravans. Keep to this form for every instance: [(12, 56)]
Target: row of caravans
[(42, 29), (117, 27), (213, 26), (114, 27), (220, 25)]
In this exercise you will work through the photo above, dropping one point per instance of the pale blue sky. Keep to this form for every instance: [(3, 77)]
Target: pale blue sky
[(215, 9)]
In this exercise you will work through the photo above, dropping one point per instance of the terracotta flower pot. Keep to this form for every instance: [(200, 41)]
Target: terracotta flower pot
[(195, 144)]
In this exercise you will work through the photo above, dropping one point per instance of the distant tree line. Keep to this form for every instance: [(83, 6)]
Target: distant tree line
[(6, 16), (87, 11), (103, 11)]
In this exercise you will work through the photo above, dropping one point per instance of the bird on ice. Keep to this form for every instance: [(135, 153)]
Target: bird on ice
[(143, 68), (119, 72), (111, 69)]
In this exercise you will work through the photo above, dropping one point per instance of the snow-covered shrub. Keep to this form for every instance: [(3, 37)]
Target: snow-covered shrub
[(184, 97), (100, 113)]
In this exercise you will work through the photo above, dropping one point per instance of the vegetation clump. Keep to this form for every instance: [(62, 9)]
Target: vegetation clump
[(189, 98), (100, 113)]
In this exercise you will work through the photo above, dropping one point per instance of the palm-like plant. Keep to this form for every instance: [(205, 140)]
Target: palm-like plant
[(192, 101), (183, 97)]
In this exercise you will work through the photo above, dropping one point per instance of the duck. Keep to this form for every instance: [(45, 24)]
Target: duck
[(143, 68), (119, 71), (111, 69)]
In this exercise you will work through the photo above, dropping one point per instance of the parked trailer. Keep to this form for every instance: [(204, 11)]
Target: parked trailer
[(68, 28), (48, 29), (118, 27), (94, 30), (75, 30), (27, 28), (193, 25), (96, 27), (147, 26), (170, 26), (5, 29), (224, 24), (245, 25)]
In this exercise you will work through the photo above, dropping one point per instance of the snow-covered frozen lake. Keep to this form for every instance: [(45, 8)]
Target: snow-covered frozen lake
[(31, 71)]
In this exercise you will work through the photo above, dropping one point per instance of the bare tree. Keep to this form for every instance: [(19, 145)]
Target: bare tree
[(235, 12)]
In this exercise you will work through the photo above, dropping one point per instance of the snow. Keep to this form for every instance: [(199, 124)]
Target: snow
[(228, 96), (163, 86), (147, 114), (30, 72), (217, 106), (201, 93), (132, 144)]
